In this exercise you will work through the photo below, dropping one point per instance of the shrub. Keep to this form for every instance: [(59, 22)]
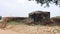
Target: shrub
[(0, 17)]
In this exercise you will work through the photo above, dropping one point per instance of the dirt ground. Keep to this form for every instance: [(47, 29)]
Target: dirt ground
[(25, 29)]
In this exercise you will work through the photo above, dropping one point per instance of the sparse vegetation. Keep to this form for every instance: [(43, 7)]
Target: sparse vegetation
[(22, 28), (15, 23), (56, 17)]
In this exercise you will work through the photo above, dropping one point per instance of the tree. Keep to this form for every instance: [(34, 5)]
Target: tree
[(47, 2)]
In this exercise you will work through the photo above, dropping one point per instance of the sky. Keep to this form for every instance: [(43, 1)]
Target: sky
[(21, 8)]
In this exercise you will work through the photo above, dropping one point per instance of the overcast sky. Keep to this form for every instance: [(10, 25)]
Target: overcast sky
[(21, 8)]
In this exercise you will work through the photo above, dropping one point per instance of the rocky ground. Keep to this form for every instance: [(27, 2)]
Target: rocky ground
[(25, 29)]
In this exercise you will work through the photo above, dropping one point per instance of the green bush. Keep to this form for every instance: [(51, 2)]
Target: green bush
[(0, 17), (57, 17)]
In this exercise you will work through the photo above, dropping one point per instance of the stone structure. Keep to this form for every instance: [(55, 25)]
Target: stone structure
[(16, 18), (39, 16), (56, 20), (5, 20)]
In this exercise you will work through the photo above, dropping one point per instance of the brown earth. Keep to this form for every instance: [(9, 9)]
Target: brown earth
[(25, 29)]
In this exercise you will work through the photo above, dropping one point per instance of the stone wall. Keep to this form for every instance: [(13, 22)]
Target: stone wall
[(39, 16), (15, 18), (56, 21)]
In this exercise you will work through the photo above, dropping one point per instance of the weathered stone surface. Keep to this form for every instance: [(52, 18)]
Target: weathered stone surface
[(16, 18), (4, 22), (39, 16), (56, 21)]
